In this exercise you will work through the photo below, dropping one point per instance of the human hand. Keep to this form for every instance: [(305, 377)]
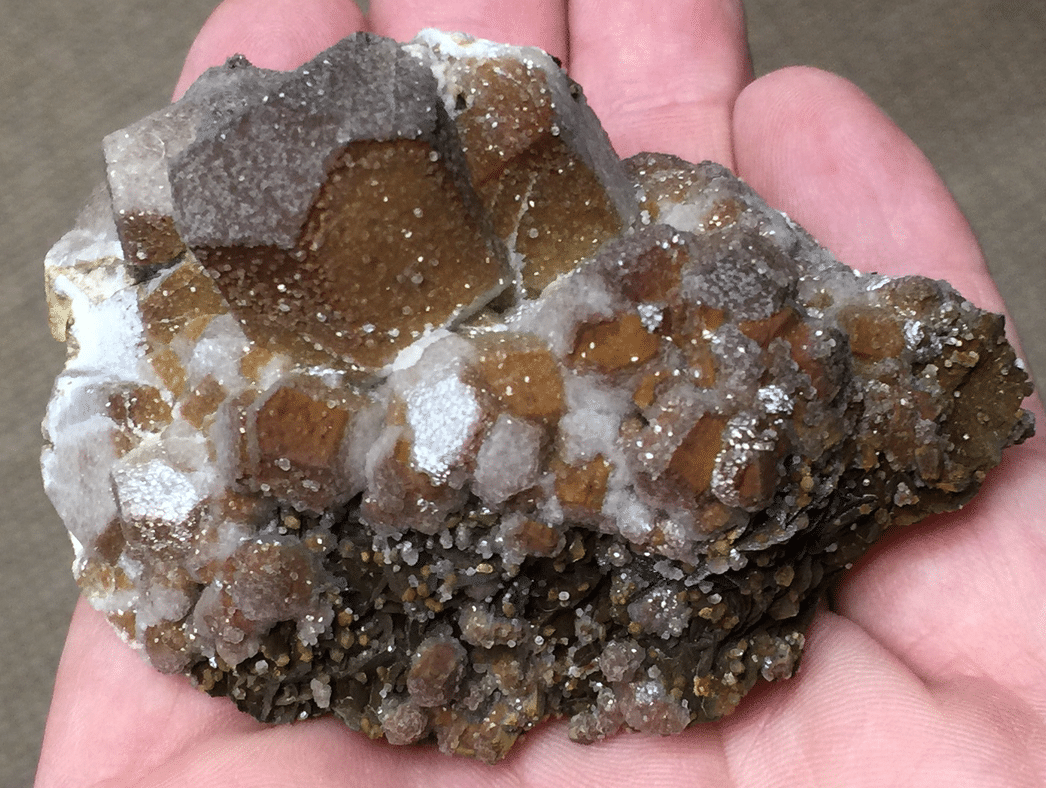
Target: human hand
[(928, 669)]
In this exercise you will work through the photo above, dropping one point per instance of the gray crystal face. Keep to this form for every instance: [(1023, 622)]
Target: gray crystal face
[(249, 179), (394, 394)]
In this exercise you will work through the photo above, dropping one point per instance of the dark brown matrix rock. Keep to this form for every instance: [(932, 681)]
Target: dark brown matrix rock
[(394, 394)]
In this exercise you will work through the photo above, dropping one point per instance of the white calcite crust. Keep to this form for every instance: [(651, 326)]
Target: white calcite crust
[(393, 393)]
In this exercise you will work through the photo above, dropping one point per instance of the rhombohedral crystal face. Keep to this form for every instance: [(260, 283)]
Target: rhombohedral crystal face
[(394, 394)]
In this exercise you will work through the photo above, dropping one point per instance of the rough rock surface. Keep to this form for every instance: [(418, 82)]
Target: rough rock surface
[(393, 393)]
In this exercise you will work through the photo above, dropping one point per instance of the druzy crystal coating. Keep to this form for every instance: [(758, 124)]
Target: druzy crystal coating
[(394, 394)]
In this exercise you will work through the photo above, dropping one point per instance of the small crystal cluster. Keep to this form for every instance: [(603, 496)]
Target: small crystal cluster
[(394, 393)]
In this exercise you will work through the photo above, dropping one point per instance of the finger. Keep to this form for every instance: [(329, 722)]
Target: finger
[(693, 758), (856, 716), (278, 34), (542, 23), (819, 149), (947, 595), (662, 76), (113, 714)]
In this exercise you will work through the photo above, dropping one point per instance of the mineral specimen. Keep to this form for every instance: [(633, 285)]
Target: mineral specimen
[(394, 394)]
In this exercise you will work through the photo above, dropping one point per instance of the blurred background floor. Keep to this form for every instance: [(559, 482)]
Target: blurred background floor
[(965, 78)]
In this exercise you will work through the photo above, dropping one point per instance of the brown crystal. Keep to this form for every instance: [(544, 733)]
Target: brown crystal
[(184, 301), (523, 376), (611, 345), (370, 215), (582, 487), (694, 460), (531, 169)]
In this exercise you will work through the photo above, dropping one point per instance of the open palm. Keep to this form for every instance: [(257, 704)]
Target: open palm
[(928, 670)]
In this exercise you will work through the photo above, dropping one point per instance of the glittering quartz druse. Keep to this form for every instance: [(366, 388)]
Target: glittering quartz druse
[(393, 393)]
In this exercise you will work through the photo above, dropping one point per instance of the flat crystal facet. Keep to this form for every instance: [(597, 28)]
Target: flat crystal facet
[(394, 394)]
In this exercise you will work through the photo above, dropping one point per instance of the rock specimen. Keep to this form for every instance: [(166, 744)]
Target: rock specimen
[(394, 394)]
